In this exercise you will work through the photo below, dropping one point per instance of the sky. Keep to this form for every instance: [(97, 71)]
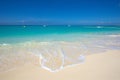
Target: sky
[(59, 12)]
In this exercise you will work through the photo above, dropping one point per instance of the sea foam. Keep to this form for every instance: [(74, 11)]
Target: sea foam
[(56, 55)]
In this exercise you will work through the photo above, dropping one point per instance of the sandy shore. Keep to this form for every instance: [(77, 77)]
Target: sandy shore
[(104, 66)]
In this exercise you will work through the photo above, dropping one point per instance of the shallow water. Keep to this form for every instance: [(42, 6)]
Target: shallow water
[(56, 46)]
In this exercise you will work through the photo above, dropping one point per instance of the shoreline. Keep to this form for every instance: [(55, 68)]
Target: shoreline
[(103, 66)]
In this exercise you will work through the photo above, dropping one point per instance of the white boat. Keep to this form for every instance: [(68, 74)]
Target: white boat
[(99, 26), (69, 25), (44, 25), (24, 26)]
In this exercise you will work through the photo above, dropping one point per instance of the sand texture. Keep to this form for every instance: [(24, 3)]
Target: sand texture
[(102, 66)]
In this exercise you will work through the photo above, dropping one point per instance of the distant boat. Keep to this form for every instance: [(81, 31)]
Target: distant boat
[(24, 26), (44, 25), (69, 25), (99, 26)]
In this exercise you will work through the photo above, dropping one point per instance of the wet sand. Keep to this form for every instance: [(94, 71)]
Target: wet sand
[(102, 66)]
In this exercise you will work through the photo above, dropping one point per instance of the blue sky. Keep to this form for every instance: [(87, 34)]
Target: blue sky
[(59, 11)]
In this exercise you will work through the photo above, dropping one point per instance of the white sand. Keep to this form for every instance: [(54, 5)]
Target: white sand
[(104, 66)]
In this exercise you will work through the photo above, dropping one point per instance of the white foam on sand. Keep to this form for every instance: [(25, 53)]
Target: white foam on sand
[(55, 55)]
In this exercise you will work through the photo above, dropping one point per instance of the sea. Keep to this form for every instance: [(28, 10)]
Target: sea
[(56, 46)]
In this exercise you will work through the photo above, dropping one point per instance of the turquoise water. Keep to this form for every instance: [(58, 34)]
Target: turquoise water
[(12, 34), (65, 44)]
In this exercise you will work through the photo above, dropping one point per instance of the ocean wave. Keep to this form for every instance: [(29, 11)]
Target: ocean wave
[(112, 35), (56, 55), (53, 56)]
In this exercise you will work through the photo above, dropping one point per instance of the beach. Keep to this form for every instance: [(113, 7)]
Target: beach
[(102, 66), (59, 52), (59, 40)]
